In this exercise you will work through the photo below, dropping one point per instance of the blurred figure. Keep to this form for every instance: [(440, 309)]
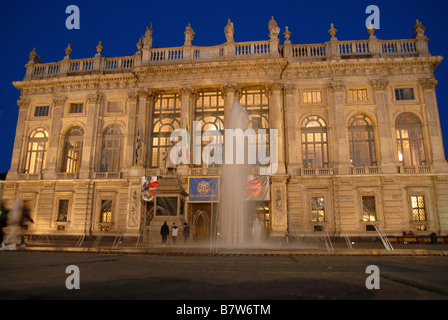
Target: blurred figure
[(174, 233), (164, 231), (186, 233), (13, 225), (25, 220), (3, 223)]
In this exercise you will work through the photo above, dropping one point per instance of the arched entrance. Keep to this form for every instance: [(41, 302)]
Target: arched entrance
[(201, 226)]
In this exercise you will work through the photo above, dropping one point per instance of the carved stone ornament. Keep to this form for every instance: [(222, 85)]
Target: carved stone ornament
[(287, 35), (333, 32), (429, 83), (99, 49), (68, 51), (379, 84), (33, 55), (419, 30), (95, 98), (59, 101), (336, 86), (23, 102)]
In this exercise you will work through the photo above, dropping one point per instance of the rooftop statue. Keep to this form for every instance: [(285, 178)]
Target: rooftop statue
[(229, 31), (273, 29), (189, 35), (147, 38)]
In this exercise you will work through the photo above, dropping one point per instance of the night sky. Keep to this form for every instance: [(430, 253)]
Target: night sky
[(119, 25)]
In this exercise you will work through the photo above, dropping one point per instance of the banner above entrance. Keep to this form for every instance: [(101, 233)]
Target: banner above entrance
[(203, 189)]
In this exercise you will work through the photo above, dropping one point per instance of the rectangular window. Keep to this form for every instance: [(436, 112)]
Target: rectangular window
[(63, 211), (76, 108), (41, 111), (106, 211), (418, 208), (368, 208), (358, 95), (312, 97), (318, 209), (404, 94)]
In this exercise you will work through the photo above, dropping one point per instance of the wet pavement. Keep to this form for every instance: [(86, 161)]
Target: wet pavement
[(201, 273)]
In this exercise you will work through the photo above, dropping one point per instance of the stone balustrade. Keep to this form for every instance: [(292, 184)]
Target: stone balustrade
[(332, 50)]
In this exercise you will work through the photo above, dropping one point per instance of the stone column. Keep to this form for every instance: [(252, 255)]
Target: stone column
[(130, 160), (186, 96), (230, 93), (276, 121), (291, 143), (436, 150), (385, 144), (20, 140), (340, 143), (148, 100), (93, 112), (50, 171)]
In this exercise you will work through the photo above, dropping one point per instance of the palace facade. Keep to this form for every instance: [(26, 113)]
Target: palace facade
[(359, 136)]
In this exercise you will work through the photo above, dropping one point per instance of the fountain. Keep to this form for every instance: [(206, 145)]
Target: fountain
[(236, 229)]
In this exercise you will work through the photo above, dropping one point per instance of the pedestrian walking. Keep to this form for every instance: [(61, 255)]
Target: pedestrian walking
[(174, 232), (186, 233), (164, 231), (3, 223)]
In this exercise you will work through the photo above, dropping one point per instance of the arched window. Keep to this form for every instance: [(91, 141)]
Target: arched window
[(362, 141), (166, 118), (111, 149), (314, 143), (73, 143), (36, 152), (411, 151)]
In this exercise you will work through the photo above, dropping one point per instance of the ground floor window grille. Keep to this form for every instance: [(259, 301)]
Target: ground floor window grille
[(106, 211), (63, 211), (368, 208), (318, 209), (419, 211)]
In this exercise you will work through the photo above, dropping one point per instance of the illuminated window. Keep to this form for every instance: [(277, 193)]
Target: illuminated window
[(404, 94), (312, 97), (318, 209), (111, 149), (73, 150), (358, 95), (368, 208), (314, 143), (410, 140), (36, 152), (361, 141), (166, 117), (418, 208), (106, 211), (41, 111), (210, 112), (256, 104)]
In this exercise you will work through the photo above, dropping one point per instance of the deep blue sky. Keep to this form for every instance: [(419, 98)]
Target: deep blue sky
[(119, 24)]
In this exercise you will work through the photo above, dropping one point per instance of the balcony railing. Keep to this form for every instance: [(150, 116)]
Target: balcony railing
[(230, 51)]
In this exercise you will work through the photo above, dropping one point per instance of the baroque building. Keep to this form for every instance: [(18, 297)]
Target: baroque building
[(359, 136)]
